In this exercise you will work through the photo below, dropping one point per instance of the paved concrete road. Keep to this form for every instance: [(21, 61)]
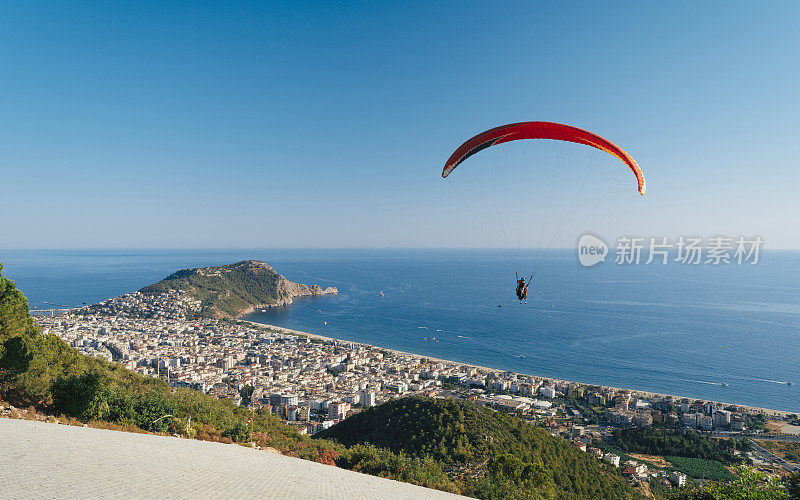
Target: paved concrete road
[(765, 455), (41, 460)]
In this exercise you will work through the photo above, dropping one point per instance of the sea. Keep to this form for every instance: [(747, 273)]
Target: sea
[(727, 333)]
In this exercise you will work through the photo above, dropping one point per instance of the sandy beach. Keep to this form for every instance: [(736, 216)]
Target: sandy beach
[(749, 409)]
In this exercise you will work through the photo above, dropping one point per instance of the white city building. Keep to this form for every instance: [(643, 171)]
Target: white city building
[(547, 392), (678, 478), (612, 459)]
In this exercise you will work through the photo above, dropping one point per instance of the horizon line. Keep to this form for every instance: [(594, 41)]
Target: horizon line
[(111, 249)]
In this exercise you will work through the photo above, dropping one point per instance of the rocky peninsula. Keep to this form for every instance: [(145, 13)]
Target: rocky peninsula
[(234, 290)]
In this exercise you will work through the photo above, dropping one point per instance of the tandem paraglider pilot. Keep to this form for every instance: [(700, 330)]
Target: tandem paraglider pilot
[(522, 290)]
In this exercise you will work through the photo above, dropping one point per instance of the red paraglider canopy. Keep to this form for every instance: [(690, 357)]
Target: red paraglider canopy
[(540, 130)]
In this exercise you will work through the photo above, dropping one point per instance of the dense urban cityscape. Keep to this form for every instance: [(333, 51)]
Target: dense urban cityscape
[(314, 382)]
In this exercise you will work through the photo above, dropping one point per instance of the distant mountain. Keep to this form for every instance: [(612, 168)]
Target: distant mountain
[(498, 455), (236, 289)]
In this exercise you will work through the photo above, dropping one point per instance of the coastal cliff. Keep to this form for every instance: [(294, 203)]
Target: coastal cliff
[(234, 290)]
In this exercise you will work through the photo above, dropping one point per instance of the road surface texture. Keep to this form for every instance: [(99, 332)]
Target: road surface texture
[(44, 460)]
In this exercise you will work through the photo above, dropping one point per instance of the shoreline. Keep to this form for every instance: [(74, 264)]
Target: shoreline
[(289, 331), (661, 373)]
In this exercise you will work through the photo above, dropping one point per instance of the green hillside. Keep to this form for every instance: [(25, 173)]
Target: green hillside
[(226, 290), (490, 451)]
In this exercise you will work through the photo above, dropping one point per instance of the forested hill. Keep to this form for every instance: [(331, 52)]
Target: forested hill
[(509, 454), (235, 289)]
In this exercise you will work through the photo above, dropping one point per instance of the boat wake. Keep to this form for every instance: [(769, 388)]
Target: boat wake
[(782, 382), (721, 384)]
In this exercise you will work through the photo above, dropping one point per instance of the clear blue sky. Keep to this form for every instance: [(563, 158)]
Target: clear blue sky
[(291, 124)]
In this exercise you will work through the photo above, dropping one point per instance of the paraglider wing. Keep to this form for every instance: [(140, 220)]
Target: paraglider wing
[(540, 130)]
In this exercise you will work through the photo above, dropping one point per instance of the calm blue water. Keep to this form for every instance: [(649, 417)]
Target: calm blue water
[(673, 329)]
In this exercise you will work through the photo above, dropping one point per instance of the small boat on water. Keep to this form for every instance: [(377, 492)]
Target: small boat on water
[(380, 293), (724, 384), (788, 382)]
